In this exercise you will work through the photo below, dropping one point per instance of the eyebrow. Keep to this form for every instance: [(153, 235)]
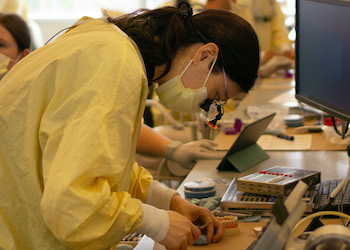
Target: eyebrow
[(3, 42)]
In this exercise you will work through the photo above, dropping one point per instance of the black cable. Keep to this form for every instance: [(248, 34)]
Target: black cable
[(335, 126), (60, 32), (336, 129)]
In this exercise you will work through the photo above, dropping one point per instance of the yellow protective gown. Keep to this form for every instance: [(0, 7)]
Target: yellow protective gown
[(70, 115)]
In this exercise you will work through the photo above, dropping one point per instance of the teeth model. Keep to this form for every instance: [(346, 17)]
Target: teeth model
[(230, 224)]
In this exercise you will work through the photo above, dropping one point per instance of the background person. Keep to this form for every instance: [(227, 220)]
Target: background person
[(70, 115), (19, 7), (14, 39), (268, 22)]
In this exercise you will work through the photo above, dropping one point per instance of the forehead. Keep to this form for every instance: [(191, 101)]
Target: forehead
[(6, 35), (233, 88), (8, 45)]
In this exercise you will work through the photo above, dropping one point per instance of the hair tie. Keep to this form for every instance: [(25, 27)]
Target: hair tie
[(185, 11)]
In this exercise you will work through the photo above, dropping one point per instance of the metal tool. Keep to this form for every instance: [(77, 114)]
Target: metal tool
[(204, 225)]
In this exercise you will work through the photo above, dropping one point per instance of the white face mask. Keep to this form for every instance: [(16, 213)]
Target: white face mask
[(175, 96), (4, 61)]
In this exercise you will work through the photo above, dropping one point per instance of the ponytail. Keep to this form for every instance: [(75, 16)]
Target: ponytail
[(160, 33)]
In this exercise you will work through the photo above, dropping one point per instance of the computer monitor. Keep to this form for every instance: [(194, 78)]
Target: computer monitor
[(323, 55)]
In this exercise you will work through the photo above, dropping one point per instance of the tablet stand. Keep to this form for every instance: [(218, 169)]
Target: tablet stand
[(244, 159)]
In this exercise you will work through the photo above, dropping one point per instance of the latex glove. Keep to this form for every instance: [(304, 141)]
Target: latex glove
[(186, 154), (274, 64), (182, 232)]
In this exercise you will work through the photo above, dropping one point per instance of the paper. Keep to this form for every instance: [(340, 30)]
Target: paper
[(271, 142), (285, 97)]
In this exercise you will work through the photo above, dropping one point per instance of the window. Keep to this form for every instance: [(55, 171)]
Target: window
[(68, 9), (62, 9), (288, 8)]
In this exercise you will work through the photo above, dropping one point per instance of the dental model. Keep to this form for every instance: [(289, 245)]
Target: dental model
[(230, 224)]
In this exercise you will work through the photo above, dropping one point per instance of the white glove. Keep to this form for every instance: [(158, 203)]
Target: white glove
[(274, 64), (186, 154)]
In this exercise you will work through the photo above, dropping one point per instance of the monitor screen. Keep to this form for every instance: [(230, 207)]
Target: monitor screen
[(323, 55)]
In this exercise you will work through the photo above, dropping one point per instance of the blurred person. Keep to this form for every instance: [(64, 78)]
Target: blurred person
[(18, 7), (267, 20), (70, 116), (14, 40)]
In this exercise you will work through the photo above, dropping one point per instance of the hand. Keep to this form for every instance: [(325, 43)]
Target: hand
[(268, 55), (276, 63), (186, 154), (181, 233), (289, 53), (194, 213)]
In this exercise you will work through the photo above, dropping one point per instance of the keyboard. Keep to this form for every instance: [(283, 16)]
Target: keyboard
[(323, 192)]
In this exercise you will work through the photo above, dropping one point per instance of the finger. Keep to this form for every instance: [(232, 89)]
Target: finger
[(208, 155), (219, 232), (207, 218), (208, 146), (190, 239), (196, 232), (183, 246), (210, 232), (211, 142)]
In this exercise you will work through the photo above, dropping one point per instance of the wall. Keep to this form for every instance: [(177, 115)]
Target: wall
[(50, 27)]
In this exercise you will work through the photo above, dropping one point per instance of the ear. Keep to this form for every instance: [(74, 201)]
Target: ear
[(24, 53), (206, 53)]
